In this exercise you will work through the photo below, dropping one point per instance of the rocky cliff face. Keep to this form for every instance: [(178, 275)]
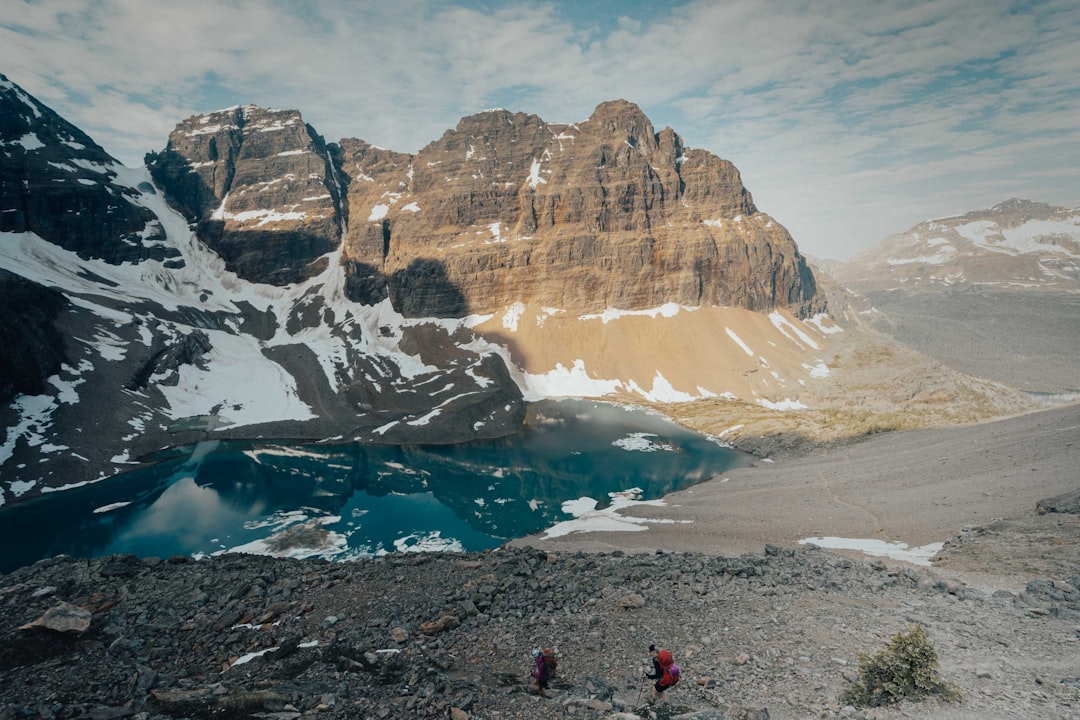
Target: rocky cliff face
[(505, 214), (58, 183), (259, 186), (33, 347), (604, 213), (504, 208)]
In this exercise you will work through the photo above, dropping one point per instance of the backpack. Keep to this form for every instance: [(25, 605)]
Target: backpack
[(551, 663), (669, 668)]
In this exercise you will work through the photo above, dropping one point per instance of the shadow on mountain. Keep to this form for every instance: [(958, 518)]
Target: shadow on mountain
[(423, 289), (277, 257)]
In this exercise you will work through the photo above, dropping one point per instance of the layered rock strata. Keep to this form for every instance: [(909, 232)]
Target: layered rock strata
[(503, 208), (259, 186), (603, 213)]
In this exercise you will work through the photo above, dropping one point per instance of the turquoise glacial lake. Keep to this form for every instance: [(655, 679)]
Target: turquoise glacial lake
[(573, 460)]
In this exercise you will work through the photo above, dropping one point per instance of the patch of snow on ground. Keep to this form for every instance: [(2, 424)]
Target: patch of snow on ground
[(411, 207), (30, 142), (784, 325), (821, 370), (1025, 238), (110, 507), (512, 315), (534, 175), (880, 548), (714, 223), (378, 212), (819, 320), (640, 442), (733, 428), (589, 519), (21, 487), (545, 313), (943, 254), (35, 417), (667, 310), (567, 382), (781, 405), (242, 386), (244, 659), (662, 391), (738, 341)]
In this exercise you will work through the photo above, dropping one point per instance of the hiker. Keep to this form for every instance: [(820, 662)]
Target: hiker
[(665, 672), (545, 669)]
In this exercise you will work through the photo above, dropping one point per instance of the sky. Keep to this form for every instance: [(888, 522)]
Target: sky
[(850, 120)]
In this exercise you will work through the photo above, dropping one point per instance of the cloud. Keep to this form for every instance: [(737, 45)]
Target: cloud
[(849, 120)]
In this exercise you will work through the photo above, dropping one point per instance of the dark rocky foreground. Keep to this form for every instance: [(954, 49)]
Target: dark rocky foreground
[(444, 635)]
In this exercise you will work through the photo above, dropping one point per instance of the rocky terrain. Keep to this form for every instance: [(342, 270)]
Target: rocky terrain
[(259, 187), (774, 634), (1016, 243), (504, 208)]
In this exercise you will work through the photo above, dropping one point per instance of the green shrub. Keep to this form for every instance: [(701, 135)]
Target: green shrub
[(907, 669)]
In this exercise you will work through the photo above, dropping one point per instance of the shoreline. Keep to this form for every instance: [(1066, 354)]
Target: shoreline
[(916, 487)]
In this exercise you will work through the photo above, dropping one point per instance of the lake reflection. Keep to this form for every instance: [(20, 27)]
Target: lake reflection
[(348, 501)]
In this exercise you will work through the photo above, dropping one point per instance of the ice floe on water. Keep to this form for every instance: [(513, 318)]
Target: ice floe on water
[(429, 542), (641, 442), (110, 507), (879, 548), (300, 539), (587, 518)]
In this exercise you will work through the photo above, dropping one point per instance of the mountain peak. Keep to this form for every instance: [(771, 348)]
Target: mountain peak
[(622, 116), (1018, 205)]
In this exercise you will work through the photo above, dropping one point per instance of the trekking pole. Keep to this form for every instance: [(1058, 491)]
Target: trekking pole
[(641, 686)]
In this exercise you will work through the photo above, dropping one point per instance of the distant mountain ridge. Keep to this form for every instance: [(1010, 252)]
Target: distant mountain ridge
[(993, 292), (1016, 243)]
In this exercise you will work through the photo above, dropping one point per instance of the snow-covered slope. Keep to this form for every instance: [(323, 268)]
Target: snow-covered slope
[(163, 353)]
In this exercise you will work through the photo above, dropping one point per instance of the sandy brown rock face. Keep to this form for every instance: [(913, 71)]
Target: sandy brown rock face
[(260, 186), (603, 213)]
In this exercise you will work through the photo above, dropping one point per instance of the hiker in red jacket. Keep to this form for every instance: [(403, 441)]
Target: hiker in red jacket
[(662, 672)]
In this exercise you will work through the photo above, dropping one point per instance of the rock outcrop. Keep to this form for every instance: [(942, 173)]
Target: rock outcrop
[(106, 363), (33, 347), (603, 213), (58, 183), (259, 186)]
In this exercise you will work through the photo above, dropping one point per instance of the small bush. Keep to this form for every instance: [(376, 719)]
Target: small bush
[(907, 669)]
